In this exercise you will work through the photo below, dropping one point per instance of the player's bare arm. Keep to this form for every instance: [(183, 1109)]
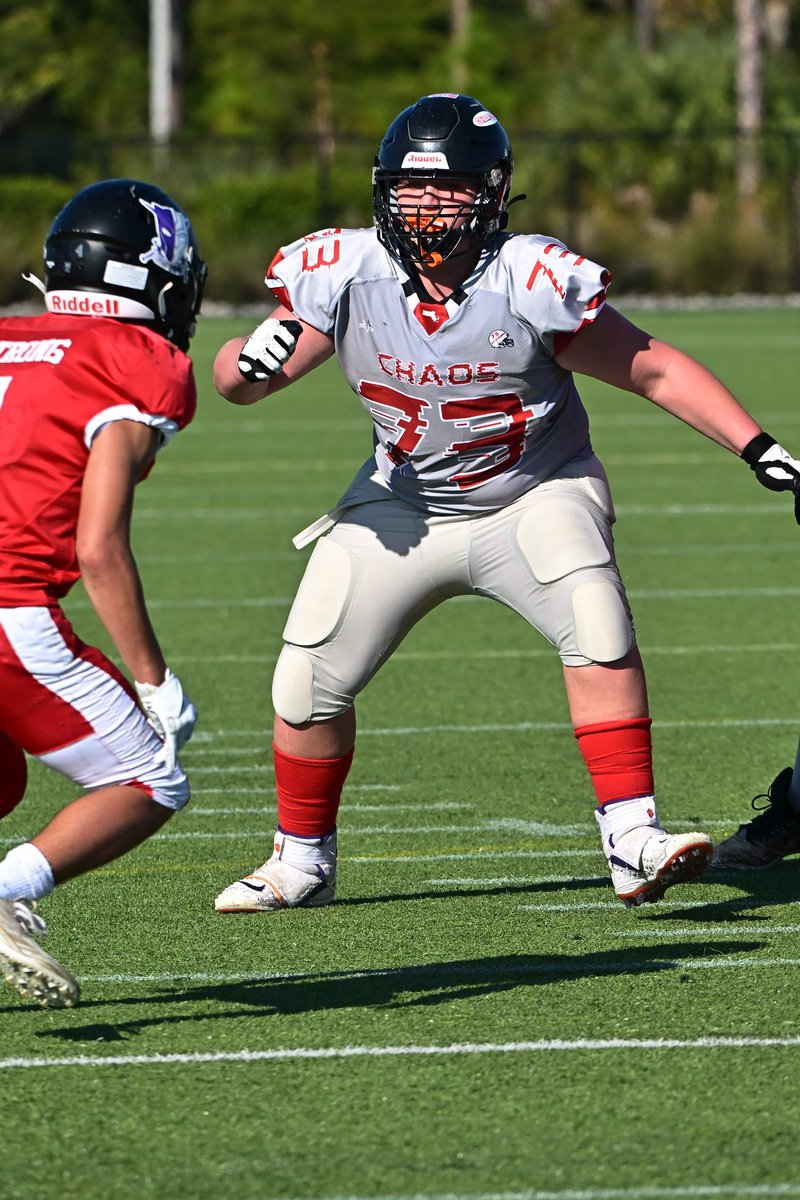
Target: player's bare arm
[(617, 352), (120, 455), (310, 349)]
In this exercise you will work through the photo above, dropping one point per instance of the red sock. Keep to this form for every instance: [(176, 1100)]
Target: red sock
[(309, 791), (619, 757)]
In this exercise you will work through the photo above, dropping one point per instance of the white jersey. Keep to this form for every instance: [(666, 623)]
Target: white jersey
[(469, 407)]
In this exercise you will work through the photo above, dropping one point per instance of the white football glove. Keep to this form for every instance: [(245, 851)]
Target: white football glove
[(171, 713), (268, 349)]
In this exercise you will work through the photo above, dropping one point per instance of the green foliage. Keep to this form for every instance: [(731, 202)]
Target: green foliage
[(28, 206), (282, 113), (30, 63)]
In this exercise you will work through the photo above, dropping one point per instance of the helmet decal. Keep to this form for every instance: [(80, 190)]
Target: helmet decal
[(168, 249), (123, 248), (484, 118)]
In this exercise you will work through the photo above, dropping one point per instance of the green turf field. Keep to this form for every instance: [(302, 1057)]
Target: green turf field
[(476, 1016)]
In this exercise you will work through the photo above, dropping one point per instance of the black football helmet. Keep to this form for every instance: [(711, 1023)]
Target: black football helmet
[(442, 137), (123, 248)]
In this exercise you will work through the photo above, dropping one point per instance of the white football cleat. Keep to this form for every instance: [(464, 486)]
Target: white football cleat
[(646, 861), (26, 966), (300, 874)]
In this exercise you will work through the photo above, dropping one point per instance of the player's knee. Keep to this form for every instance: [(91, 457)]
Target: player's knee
[(305, 686), (568, 549), (13, 775), (293, 686), (302, 690), (601, 620)]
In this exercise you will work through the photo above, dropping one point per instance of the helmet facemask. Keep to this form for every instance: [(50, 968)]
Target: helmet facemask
[(447, 140), (428, 234)]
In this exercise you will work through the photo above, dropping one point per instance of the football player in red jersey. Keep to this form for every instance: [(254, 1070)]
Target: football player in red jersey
[(89, 392), (462, 341)]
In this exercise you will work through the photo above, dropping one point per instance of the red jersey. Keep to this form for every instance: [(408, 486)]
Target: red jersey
[(62, 380)]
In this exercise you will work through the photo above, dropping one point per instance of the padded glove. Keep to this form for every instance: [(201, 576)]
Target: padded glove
[(268, 349), (774, 467)]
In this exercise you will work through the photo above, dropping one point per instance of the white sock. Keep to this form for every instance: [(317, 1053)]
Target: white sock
[(621, 816), (25, 874), (305, 852)]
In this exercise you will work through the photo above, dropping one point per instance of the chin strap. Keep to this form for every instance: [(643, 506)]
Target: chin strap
[(36, 281)]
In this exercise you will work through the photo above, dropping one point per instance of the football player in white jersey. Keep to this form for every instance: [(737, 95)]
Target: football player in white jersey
[(463, 341), (89, 392)]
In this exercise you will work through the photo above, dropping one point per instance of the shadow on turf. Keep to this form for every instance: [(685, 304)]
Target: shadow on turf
[(778, 885), (396, 987), (501, 889)]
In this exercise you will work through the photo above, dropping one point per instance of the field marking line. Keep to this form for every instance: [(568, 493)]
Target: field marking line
[(703, 723), (731, 930), (737, 593), (543, 1046), (723, 962), (692, 1192)]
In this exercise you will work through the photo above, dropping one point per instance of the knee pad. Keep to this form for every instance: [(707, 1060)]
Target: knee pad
[(569, 550), (293, 686), (602, 619), (302, 688)]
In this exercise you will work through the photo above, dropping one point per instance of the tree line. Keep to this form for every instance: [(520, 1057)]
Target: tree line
[(628, 116)]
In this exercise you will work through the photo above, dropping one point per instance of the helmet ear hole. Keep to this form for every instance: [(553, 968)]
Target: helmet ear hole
[(123, 248)]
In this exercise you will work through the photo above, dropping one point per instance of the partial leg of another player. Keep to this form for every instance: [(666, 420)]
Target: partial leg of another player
[(774, 833), (73, 711)]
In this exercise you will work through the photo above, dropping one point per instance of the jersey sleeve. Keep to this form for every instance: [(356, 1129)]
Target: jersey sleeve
[(309, 275), (557, 291), (151, 381)]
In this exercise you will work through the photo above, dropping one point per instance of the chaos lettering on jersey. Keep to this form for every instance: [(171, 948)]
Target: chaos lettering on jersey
[(455, 374), (49, 350), (547, 271), (497, 425)]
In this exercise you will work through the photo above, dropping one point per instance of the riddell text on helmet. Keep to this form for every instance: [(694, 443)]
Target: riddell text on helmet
[(96, 304), (103, 306)]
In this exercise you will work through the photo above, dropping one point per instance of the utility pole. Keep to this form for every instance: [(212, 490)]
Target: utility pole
[(459, 29), (162, 114), (749, 94)]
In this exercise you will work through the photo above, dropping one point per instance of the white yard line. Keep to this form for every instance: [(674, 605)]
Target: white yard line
[(633, 593), (691, 1192), (455, 1049)]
